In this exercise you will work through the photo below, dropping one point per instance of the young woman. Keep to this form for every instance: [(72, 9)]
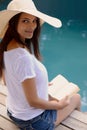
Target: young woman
[(28, 103)]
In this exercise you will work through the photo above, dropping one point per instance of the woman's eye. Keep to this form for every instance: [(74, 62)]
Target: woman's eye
[(28, 21), (25, 21)]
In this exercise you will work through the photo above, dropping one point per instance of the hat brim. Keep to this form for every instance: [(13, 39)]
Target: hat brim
[(6, 15)]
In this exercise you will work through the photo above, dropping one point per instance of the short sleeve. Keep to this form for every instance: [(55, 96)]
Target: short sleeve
[(24, 68)]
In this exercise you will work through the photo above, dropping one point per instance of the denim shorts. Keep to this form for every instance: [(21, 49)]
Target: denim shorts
[(45, 121)]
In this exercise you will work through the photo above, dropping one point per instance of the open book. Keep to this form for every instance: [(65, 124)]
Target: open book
[(61, 87)]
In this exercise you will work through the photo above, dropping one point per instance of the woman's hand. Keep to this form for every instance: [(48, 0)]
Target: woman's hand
[(64, 102), (53, 98)]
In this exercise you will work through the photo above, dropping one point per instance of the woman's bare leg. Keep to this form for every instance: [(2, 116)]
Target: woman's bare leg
[(75, 103)]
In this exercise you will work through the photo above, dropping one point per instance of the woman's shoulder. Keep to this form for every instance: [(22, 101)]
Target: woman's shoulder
[(17, 53)]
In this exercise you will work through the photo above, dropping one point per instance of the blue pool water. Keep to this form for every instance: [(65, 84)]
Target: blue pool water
[(64, 52)]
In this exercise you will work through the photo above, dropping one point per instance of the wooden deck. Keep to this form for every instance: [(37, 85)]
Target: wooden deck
[(76, 121)]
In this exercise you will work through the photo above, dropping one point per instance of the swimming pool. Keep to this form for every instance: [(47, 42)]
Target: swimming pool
[(65, 52)]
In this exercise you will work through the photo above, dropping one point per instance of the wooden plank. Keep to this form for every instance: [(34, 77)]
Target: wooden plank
[(3, 89), (2, 99), (3, 112), (74, 124), (79, 116), (61, 127), (7, 125)]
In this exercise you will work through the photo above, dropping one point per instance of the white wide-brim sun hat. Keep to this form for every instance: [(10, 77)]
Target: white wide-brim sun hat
[(26, 6)]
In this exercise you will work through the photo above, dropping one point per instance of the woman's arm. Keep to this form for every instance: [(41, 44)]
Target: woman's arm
[(29, 87)]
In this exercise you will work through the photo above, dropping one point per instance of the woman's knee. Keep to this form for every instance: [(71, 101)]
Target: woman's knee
[(77, 100)]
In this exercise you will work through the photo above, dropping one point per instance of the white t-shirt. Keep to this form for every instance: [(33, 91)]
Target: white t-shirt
[(21, 65)]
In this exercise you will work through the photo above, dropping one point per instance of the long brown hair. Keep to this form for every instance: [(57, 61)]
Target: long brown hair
[(12, 33)]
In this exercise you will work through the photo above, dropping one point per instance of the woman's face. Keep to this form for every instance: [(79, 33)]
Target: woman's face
[(26, 26)]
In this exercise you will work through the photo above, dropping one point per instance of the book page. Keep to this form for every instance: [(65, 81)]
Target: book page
[(57, 84), (62, 87)]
